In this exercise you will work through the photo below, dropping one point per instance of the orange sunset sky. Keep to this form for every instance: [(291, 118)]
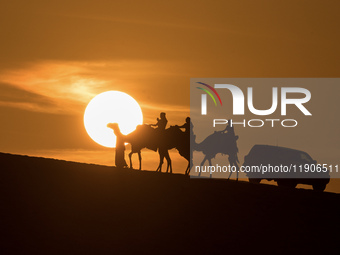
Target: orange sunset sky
[(57, 55)]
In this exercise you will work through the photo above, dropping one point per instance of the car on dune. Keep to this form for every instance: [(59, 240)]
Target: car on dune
[(290, 167)]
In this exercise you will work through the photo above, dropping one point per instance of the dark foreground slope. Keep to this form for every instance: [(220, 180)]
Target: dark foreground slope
[(59, 207)]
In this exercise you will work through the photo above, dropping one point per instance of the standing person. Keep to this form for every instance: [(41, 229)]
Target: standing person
[(120, 146)]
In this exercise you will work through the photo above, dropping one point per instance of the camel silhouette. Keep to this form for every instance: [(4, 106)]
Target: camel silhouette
[(181, 141), (147, 137), (219, 142)]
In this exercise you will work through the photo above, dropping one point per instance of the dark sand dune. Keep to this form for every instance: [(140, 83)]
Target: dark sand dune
[(57, 207)]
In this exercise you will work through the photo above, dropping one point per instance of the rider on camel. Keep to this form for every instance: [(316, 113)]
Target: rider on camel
[(161, 122)]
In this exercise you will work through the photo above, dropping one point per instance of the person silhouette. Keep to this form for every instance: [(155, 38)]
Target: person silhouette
[(233, 159), (188, 129), (186, 126), (161, 122), (229, 129), (120, 146), (190, 138)]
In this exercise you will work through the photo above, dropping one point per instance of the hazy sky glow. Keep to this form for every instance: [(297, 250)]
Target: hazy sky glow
[(57, 55)]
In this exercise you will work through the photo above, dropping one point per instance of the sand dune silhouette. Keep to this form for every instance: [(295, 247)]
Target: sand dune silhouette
[(58, 207)]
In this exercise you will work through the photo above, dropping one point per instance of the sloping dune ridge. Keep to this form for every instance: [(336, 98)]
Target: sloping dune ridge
[(58, 207)]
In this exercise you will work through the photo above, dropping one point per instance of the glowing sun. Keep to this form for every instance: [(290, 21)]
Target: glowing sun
[(111, 107)]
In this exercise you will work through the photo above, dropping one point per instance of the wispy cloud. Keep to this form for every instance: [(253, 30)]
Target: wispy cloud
[(67, 87), (63, 84)]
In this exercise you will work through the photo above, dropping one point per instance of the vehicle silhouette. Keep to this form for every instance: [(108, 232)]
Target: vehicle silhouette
[(294, 163)]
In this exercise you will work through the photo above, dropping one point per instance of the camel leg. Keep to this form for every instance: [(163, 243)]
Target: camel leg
[(237, 170), (187, 171), (168, 159), (230, 171), (130, 156), (232, 163), (209, 160), (161, 159), (202, 163), (190, 165), (140, 160), (159, 168)]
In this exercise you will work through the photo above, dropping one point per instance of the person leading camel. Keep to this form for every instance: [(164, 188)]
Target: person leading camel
[(120, 146)]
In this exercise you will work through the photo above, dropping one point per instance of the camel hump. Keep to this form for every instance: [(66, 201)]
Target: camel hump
[(220, 142)]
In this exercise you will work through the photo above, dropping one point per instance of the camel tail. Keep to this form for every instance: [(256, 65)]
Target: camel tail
[(237, 159)]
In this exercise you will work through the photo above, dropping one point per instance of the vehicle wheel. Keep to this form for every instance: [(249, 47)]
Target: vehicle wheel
[(319, 187), (254, 180), (285, 183)]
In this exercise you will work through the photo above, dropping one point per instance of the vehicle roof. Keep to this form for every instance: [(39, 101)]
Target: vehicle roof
[(277, 148)]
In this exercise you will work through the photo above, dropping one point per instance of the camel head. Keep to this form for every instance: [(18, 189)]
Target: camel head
[(113, 126)]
